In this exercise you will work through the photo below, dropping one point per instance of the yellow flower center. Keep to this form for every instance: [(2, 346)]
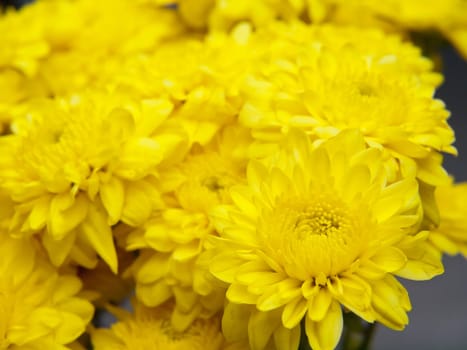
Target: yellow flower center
[(312, 237), (155, 334), (208, 178)]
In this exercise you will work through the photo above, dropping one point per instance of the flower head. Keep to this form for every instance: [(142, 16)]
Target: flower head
[(150, 329), (40, 308), (79, 166), (173, 260), (316, 228), (324, 87), (451, 235)]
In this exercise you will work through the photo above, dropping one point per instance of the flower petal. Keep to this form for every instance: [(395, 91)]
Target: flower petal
[(325, 334)]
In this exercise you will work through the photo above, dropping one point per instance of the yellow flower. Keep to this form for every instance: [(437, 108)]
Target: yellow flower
[(22, 49), (222, 15), (449, 17), (172, 261), (324, 89), (15, 89), (39, 308), (87, 33), (204, 86), (150, 329), (76, 167), (451, 235), (315, 229)]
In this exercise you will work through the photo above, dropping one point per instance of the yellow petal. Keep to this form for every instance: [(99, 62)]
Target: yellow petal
[(325, 334), (97, 232), (390, 259), (443, 243), (391, 302), (261, 327), (59, 249), (293, 312), (112, 194), (138, 158), (153, 269), (66, 213), (240, 294), (424, 262), (38, 217), (181, 321), (287, 339), (138, 205), (319, 305), (235, 322), (153, 294)]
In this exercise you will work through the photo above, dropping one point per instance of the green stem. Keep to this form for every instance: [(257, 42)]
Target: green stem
[(357, 333)]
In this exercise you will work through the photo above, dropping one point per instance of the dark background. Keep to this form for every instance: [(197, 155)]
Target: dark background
[(439, 316)]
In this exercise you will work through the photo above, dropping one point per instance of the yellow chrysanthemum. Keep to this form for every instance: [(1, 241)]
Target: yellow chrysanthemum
[(324, 89), (150, 329), (297, 39), (64, 56), (21, 49), (224, 14), (451, 235), (315, 229), (75, 168), (107, 31), (39, 308), (449, 18), (172, 261), (204, 86)]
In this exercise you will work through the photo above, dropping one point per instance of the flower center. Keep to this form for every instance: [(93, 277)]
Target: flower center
[(319, 220), (309, 237)]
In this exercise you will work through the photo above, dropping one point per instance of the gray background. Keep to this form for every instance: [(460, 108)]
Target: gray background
[(438, 319)]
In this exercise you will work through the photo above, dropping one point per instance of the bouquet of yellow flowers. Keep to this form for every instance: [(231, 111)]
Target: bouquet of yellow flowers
[(247, 174)]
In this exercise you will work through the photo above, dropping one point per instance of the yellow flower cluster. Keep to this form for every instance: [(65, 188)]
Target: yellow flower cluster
[(241, 185), (446, 18)]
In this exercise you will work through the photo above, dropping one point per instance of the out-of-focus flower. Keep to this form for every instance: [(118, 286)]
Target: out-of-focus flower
[(449, 18), (76, 167), (173, 262), (315, 229), (40, 308), (324, 87), (451, 235), (204, 86), (22, 41), (150, 329)]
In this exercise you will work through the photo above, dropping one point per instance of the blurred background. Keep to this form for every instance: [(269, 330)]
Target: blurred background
[(439, 316)]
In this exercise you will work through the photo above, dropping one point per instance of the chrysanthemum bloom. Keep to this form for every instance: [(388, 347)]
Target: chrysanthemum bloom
[(64, 55), (39, 307), (150, 329), (449, 17), (204, 86), (323, 89), (394, 54), (222, 15), (75, 168), (314, 230), (22, 49), (451, 235), (105, 31), (172, 261)]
